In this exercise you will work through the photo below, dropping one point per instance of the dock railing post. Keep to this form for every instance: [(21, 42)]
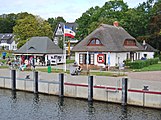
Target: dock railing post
[(61, 85), (13, 79), (90, 88), (124, 90), (36, 82)]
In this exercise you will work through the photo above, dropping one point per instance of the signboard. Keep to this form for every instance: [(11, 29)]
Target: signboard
[(100, 58)]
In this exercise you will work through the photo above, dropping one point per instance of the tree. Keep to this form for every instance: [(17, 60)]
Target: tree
[(7, 22), (134, 20), (53, 22), (84, 22), (92, 18), (31, 26), (154, 27)]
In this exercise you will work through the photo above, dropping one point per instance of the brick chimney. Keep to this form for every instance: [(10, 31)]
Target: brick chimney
[(116, 23)]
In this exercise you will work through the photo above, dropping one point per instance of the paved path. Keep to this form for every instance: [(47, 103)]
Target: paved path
[(152, 75), (136, 79)]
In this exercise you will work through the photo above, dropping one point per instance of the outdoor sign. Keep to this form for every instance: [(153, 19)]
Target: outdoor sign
[(100, 58)]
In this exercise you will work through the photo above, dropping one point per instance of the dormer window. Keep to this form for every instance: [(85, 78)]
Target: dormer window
[(130, 43), (95, 42)]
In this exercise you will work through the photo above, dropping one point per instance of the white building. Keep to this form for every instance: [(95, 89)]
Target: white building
[(108, 46), (7, 42), (42, 49)]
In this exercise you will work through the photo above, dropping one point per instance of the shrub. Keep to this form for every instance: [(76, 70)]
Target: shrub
[(2, 61), (142, 63)]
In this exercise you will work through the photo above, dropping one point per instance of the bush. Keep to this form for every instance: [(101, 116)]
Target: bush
[(3, 61), (157, 54), (142, 63)]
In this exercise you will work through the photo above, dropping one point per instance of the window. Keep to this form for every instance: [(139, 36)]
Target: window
[(98, 42), (130, 43), (83, 59), (95, 42)]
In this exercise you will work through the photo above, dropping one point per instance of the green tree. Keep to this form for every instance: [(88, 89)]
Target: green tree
[(154, 27), (7, 22), (84, 22), (31, 26), (92, 18), (54, 22)]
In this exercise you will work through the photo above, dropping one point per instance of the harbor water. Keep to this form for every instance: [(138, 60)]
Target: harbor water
[(28, 106)]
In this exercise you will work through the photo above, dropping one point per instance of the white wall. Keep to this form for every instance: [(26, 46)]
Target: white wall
[(120, 57), (149, 54), (77, 57), (12, 46), (5, 45), (55, 58), (115, 58)]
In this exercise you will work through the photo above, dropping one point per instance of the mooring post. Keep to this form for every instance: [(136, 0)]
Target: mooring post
[(124, 90), (13, 79), (61, 84), (90, 88), (145, 89), (36, 82)]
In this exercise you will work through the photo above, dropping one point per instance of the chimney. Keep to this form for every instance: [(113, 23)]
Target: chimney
[(116, 23), (144, 43)]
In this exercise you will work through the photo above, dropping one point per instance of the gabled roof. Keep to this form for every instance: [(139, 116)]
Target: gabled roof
[(112, 39), (148, 48), (7, 37), (60, 28), (39, 45), (72, 26)]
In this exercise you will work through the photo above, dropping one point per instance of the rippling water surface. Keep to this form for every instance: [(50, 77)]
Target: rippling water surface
[(27, 106)]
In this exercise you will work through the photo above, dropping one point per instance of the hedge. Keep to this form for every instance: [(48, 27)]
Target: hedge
[(138, 64)]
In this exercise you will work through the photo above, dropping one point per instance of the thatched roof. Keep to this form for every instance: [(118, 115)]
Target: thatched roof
[(112, 39), (39, 45)]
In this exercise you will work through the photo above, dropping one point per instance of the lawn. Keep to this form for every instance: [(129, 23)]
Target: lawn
[(52, 70), (108, 73), (96, 73), (69, 61), (3, 67), (155, 67)]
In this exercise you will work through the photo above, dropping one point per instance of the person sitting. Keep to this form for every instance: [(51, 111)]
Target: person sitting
[(22, 67), (79, 69)]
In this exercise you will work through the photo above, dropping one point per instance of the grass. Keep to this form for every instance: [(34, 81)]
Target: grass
[(69, 61), (3, 67), (9, 53), (52, 70), (155, 67), (106, 73), (3, 61), (101, 73)]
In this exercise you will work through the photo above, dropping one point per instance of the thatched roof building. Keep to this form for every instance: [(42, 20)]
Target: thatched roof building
[(112, 38)]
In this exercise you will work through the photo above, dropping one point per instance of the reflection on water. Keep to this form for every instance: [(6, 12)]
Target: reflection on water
[(28, 106), (13, 96)]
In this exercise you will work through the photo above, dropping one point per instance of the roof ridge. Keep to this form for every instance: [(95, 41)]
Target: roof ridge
[(107, 25)]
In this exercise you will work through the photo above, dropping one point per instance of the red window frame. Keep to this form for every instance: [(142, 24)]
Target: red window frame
[(129, 43), (93, 42)]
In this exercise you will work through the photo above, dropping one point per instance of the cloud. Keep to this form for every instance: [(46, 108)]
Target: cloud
[(68, 9)]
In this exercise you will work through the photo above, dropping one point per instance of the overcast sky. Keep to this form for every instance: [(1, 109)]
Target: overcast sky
[(68, 9)]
